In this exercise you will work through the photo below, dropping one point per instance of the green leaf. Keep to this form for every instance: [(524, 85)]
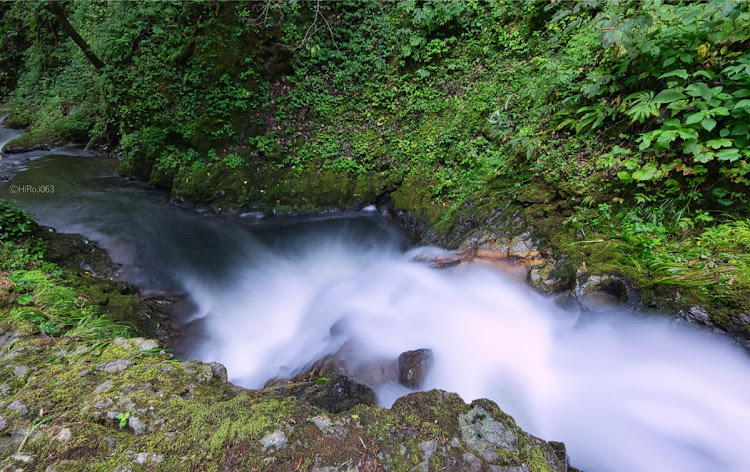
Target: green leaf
[(699, 89), (630, 164), (695, 118), (648, 172), (728, 155), (681, 73), (708, 123), (666, 137), (669, 61), (721, 111), (688, 133), (668, 96), (704, 157), (624, 175), (718, 143), (688, 58), (745, 104), (704, 73), (724, 132), (742, 93)]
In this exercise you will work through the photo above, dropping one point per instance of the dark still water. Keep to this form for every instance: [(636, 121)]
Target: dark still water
[(637, 396), (161, 245)]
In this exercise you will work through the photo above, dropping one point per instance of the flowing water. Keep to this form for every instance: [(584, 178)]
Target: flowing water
[(624, 394)]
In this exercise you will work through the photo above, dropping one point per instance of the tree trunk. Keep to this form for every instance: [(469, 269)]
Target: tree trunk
[(73, 34)]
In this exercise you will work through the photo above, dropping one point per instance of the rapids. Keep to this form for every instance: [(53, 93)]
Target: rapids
[(624, 393)]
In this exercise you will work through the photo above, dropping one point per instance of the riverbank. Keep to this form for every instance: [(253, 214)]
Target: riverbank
[(75, 393), (460, 122)]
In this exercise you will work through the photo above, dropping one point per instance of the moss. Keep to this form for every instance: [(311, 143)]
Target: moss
[(537, 461), (38, 139)]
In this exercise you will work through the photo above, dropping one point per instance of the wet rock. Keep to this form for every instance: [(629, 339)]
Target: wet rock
[(74, 252), (602, 293), (413, 367), (547, 279), (346, 361), (698, 314), (334, 395)]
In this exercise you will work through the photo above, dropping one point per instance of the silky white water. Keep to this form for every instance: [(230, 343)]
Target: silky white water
[(636, 395), (633, 395)]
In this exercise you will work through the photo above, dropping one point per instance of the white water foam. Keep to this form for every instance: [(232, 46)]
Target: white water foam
[(636, 395)]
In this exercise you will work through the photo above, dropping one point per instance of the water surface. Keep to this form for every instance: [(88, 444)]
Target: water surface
[(625, 395)]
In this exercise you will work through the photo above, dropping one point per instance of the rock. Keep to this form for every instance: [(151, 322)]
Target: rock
[(20, 371), (103, 387), (322, 422), (334, 395), (23, 457), (219, 371), (483, 434), (146, 344), (114, 366), (346, 361), (138, 426), (602, 293), (276, 440), (547, 280), (18, 407), (413, 367), (64, 435), (698, 314), (140, 458), (560, 452), (3, 424)]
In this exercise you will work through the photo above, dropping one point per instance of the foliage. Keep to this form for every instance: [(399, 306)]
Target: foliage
[(39, 289), (14, 222), (678, 76), (638, 108)]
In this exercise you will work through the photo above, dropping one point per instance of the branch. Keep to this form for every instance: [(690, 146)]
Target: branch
[(73, 34)]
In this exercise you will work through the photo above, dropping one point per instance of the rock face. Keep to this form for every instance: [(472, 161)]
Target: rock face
[(413, 367)]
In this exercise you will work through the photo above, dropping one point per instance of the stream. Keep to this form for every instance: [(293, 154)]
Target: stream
[(624, 393)]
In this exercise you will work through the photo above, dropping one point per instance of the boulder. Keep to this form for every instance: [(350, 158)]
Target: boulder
[(413, 367), (334, 395)]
